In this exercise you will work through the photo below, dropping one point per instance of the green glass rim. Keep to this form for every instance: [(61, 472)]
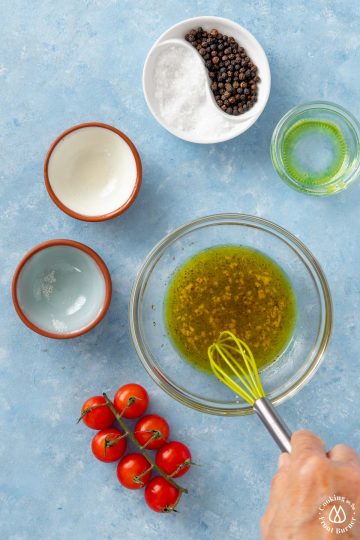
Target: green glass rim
[(339, 182)]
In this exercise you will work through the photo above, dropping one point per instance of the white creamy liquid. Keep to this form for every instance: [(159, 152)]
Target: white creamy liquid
[(92, 171)]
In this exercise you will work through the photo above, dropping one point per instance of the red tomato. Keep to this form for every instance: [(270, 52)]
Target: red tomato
[(99, 417), (160, 495), (152, 428), (104, 449), (132, 397), (130, 468), (174, 459)]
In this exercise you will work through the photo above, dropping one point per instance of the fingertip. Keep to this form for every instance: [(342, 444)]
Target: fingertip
[(305, 441), (283, 461), (344, 454), (304, 433)]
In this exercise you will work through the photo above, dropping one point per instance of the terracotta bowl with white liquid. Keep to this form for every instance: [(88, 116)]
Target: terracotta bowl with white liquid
[(93, 172)]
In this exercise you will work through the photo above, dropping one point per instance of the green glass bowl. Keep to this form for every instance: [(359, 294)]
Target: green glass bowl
[(315, 148)]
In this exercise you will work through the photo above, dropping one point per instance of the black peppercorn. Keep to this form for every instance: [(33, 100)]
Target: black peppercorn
[(233, 75)]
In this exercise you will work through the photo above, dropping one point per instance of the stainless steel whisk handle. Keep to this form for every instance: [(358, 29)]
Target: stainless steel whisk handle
[(273, 423)]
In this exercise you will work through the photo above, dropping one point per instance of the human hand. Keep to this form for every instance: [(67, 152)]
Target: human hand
[(302, 493)]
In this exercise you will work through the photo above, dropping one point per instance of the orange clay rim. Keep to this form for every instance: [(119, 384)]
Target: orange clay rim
[(103, 217), (99, 262)]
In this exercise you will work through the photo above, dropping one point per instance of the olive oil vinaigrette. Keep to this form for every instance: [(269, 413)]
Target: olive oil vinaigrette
[(233, 288)]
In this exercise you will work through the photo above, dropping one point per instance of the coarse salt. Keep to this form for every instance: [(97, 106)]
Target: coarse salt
[(180, 90)]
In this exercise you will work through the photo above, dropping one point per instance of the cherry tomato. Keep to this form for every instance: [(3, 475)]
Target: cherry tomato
[(99, 417), (104, 449), (134, 397), (174, 459), (160, 495), (130, 468), (152, 428)]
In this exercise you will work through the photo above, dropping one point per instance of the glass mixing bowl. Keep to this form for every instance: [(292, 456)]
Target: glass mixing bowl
[(200, 390)]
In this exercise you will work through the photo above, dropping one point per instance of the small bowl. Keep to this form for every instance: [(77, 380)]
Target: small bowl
[(245, 39), (315, 148), (61, 289), (93, 172), (200, 390)]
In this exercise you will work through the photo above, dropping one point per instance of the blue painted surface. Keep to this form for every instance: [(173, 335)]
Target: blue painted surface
[(69, 62)]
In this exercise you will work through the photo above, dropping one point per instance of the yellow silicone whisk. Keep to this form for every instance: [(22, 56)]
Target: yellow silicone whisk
[(233, 363)]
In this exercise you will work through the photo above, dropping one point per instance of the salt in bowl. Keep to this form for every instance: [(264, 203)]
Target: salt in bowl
[(61, 289)]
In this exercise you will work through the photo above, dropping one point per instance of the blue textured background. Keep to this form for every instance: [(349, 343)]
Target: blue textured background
[(67, 62)]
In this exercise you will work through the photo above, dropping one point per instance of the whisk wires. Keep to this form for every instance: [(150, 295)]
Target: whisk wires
[(233, 364)]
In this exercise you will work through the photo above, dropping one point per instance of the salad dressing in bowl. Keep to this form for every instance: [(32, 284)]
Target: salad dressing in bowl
[(296, 362), (232, 288)]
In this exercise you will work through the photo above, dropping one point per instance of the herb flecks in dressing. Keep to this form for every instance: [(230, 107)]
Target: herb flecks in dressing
[(230, 288)]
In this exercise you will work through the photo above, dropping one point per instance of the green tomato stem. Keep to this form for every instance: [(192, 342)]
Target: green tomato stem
[(138, 478), (112, 442), (89, 409), (141, 450), (182, 466), (155, 435)]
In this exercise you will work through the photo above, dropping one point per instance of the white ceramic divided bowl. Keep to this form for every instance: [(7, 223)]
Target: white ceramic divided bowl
[(93, 172), (251, 46)]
